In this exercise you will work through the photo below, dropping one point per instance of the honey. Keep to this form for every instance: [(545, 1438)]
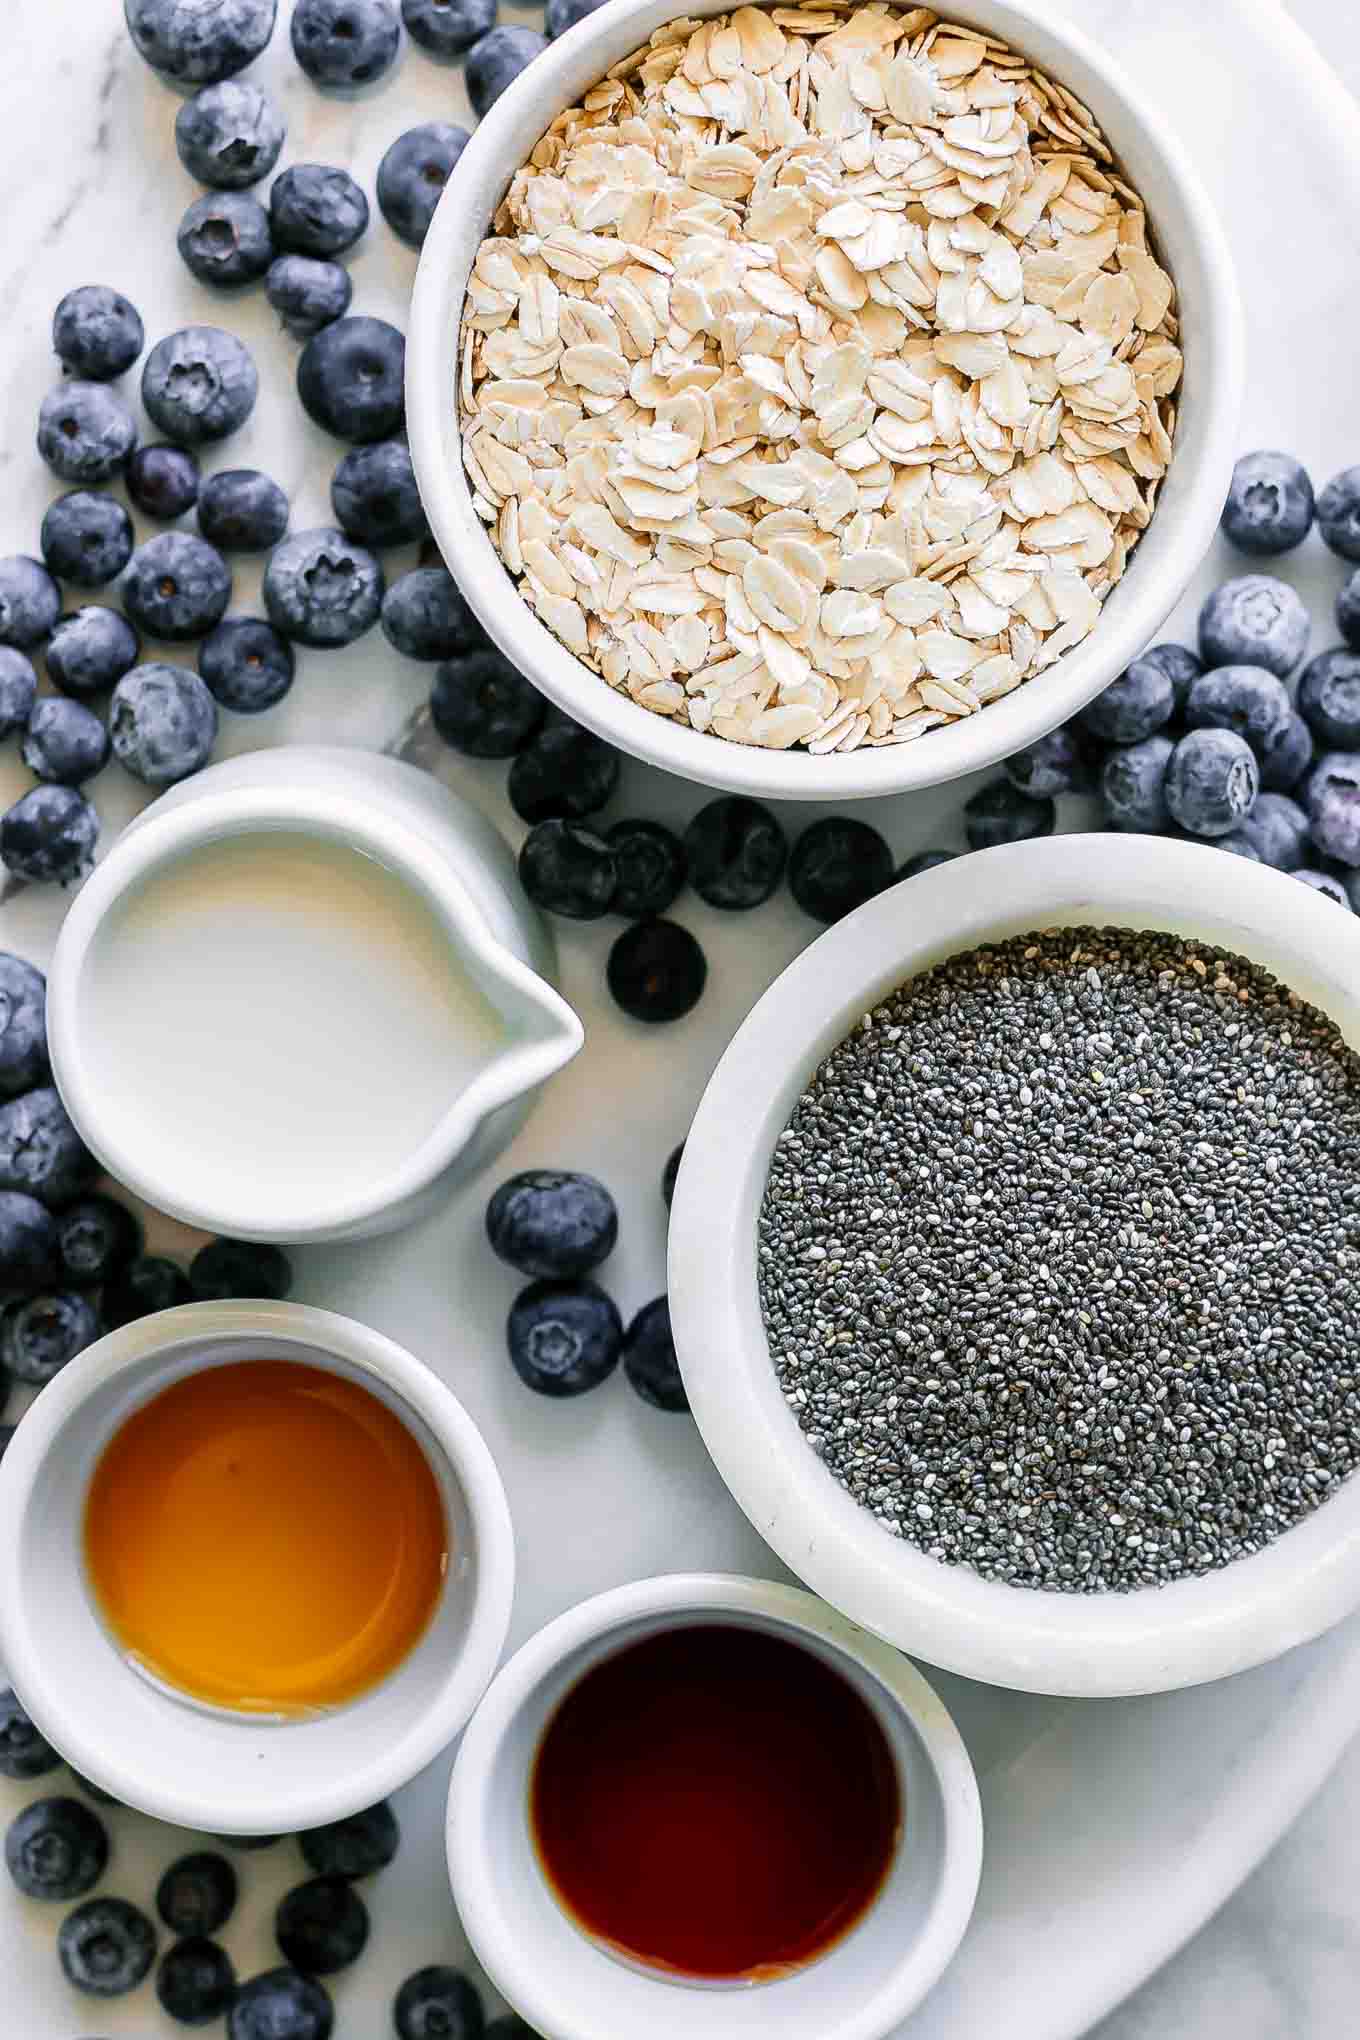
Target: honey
[(267, 1537)]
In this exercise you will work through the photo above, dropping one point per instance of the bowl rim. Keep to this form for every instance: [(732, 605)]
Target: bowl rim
[(1082, 1645), (1185, 525)]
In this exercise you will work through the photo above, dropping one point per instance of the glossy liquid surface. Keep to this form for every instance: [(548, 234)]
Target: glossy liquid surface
[(716, 1802), (266, 1536)]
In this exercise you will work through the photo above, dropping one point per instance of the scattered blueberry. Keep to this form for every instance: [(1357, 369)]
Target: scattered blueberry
[(95, 1237), (56, 1848), (1238, 843), (553, 1223), (39, 1334), (247, 665), (97, 334), (1254, 621), (30, 602), (1270, 504), (496, 60), (999, 813), (1247, 699), (320, 588), (1323, 882), (65, 742), (357, 1846), (652, 867), (240, 1268), (224, 239), (317, 209), (1053, 764), (564, 1337), (924, 860), (412, 176), (162, 480), (565, 868), (345, 42), (375, 499), (1211, 781), (484, 707), (199, 384), (23, 1025), (49, 836), (162, 723), (86, 538), (438, 2003), (24, 1751), (18, 690), (197, 1894), (1329, 698), (307, 292), (837, 864), (447, 28), (1338, 513), (649, 1357), (1133, 785), (1180, 665), (28, 1242), (564, 773), (736, 853), (1331, 795), (321, 1926), (229, 135), (85, 432), (670, 1172), (241, 510), (1135, 705), (1348, 611), (145, 1286), (424, 615), (177, 586), (40, 1151), (106, 1946), (656, 971), (281, 2005), (351, 379), (195, 45), (90, 650), (6, 1440), (560, 15), (1278, 827), (196, 1982), (1286, 756)]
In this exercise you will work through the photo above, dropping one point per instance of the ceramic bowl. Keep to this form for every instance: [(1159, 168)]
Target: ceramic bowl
[(207, 1768), (567, 1985), (1144, 1641), (1187, 513)]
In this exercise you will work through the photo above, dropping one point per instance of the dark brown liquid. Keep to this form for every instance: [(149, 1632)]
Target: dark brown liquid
[(716, 1801)]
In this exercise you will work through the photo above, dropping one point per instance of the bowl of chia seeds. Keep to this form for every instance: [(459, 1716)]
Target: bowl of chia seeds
[(1015, 1265)]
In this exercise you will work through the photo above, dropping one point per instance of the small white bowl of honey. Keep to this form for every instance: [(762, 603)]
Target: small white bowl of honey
[(256, 1566)]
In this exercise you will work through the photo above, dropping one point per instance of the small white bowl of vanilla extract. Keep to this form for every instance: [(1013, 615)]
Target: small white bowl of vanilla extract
[(704, 1804), (256, 1565)]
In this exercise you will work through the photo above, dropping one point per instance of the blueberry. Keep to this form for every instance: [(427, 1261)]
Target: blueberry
[(652, 866), (320, 588), (438, 2003), (90, 650), (736, 853), (65, 742), (197, 1894), (24, 1751), (147, 1285), (484, 707), (555, 1223), (1270, 504), (998, 813), (563, 774), (199, 384), (196, 1982), (241, 510), (240, 1268), (1286, 756), (412, 176), (1133, 785), (177, 586), (95, 1237), (6, 1440), (1135, 705), (656, 971), (924, 860), (1254, 621), (1180, 665), (1338, 513), (670, 1172), (85, 432), (649, 1357), (321, 1926), (564, 1337), (40, 1151), (197, 45), (446, 28), (49, 836), (511, 2027), (39, 1334), (307, 292), (357, 1846), (1278, 828), (247, 664), (229, 135), (496, 60), (86, 538), (560, 15), (317, 209), (1051, 765), (56, 1848), (97, 334), (1247, 699), (567, 869), (18, 690), (351, 376), (1329, 698), (224, 239), (162, 723), (424, 615), (106, 1946), (30, 602), (281, 2005), (345, 42), (28, 1242), (1323, 882), (163, 481), (836, 865), (1211, 781), (375, 499), (1331, 795), (23, 1025)]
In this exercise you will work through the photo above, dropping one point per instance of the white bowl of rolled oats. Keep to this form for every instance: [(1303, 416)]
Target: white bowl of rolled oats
[(790, 388)]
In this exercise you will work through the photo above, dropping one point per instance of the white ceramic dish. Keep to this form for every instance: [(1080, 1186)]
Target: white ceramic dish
[(1089, 1644), (570, 1987), (201, 1767), (1187, 512)]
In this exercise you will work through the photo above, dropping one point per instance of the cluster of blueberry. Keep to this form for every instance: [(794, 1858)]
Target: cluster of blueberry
[(57, 1849)]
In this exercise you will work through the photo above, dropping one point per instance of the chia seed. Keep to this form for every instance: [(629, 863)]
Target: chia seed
[(1059, 1260)]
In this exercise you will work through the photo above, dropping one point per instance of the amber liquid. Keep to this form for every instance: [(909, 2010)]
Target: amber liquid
[(716, 1802), (267, 1537)]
